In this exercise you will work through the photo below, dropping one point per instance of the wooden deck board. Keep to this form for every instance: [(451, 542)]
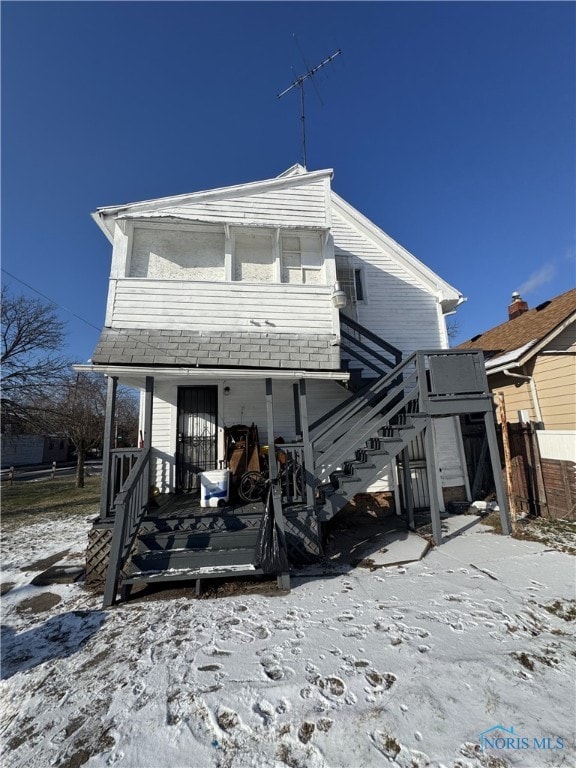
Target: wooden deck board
[(187, 505)]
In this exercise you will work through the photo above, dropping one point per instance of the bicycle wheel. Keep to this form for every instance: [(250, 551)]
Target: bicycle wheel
[(252, 486)]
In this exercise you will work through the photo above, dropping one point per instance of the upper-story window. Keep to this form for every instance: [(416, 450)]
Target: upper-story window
[(204, 252), (254, 258), (164, 252), (301, 259)]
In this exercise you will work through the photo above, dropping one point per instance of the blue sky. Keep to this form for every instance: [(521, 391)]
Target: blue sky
[(450, 125)]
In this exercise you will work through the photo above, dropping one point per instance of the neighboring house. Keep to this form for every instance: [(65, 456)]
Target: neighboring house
[(531, 361), (531, 358), (226, 308), (30, 450)]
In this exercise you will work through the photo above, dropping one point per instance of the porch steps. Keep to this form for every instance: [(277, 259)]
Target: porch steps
[(176, 560)]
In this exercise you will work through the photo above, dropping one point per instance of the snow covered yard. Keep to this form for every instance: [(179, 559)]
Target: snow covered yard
[(402, 666)]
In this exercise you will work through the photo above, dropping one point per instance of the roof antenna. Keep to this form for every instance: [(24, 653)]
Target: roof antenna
[(299, 83)]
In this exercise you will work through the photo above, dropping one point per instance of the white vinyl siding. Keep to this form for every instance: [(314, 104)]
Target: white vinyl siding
[(220, 306), (302, 204), (400, 309)]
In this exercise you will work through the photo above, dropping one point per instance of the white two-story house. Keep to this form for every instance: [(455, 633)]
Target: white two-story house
[(277, 307)]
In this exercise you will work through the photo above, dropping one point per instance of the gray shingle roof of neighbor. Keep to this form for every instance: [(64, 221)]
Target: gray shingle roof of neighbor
[(217, 349)]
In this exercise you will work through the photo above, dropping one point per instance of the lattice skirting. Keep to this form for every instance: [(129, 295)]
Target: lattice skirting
[(302, 537), (97, 556)]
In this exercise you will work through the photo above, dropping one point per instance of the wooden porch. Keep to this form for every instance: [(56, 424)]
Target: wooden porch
[(338, 455)]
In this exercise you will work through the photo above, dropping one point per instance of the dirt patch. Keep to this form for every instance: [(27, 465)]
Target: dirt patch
[(38, 603), (556, 534), (6, 586), (565, 610), (211, 589)]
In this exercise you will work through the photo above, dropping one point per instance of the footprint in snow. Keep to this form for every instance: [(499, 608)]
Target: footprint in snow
[(424, 648), (380, 681), (226, 718), (306, 731), (324, 724), (391, 748), (274, 670), (331, 687), (266, 711)]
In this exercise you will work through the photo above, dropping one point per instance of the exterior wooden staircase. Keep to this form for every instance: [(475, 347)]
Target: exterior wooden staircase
[(337, 456)]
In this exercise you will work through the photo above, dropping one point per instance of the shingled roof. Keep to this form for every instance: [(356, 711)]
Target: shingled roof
[(216, 349), (525, 332)]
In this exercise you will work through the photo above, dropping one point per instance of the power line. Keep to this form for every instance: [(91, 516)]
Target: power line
[(56, 304)]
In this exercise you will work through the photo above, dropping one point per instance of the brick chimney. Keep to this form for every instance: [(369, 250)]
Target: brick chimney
[(517, 307)]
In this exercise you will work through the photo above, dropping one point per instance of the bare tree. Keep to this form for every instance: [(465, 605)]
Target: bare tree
[(76, 410), (452, 328), (32, 335)]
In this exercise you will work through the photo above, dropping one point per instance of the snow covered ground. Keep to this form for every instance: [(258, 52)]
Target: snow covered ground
[(402, 666)]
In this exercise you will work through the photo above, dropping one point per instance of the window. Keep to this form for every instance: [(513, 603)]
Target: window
[(301, 259), (359, 284), (167, 252), (254, 257), (351, 278)]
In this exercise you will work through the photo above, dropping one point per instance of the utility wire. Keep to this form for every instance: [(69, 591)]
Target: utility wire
[(152, 347), (56, 304)]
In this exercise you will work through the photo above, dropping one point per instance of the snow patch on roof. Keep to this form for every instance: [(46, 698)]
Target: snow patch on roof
[(509, 357)]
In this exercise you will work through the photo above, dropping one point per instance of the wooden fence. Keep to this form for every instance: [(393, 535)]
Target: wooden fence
[(540, 487)]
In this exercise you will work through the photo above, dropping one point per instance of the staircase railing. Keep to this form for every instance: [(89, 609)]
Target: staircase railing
[(366, 347), (130, 506), (427, 383), (362, 422), (339, 420)]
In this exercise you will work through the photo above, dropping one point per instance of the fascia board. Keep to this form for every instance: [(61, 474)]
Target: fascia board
[(215, 373), (232, 223), (547, 339), (100, 221), (222, 193), (427, 277)]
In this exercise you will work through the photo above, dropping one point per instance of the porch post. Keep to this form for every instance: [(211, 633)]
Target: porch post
[(106, 490), (308, 452), (433, 484), (407, 483), (497, 472), (148, 398), (297, 420), (284, 577)]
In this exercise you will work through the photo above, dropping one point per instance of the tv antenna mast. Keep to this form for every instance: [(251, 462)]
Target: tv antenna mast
[(299, 83)]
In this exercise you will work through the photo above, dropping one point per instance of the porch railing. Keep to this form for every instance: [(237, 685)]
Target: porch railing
[(122, 460), (292, 472), (130, 506)]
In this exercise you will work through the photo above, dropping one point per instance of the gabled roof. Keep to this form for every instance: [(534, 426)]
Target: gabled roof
[(516, 341), (294, 176)]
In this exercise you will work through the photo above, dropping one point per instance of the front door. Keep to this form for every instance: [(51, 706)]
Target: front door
[(196, 450)]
